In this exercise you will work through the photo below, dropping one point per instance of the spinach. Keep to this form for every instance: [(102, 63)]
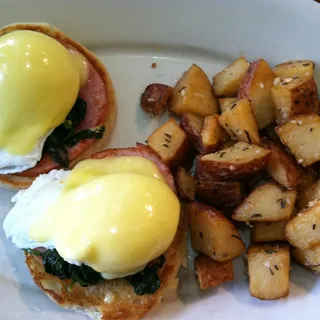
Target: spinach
[(147, 281), (65, 135), (144, 282)]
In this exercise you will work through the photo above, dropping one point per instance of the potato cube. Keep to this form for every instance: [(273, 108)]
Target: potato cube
[(211, 273), (226, 103), (269, 268), (303, 231), (256, 86), (238, 161), (186, 184), (290, 69), (155, 98), (302, 136), (294, 96), (268, 231), (239, 122), (170, 142), (192, 125), (282, 167), (193, 94), (212, 233), (268, 202), (227, 82), (309, 258), (309, 194)]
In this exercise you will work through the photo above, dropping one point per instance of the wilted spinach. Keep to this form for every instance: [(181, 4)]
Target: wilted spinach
[(65, 136)]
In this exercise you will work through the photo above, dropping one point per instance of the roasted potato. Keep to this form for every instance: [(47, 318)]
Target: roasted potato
[(226, 103), (303, 231), (185, 183), (302, 136), (290, 69), (233, 163), (294, 96), (226, 83), (268, 202), (219, 193), (281, 166), (307, 177), (212, 233), (309, 194), (268, 231), (211, 134), (170, 142), (155, 98), (192, 125), (211, 273), (256, 86), (193, 94), (239, 122), (269, 268), (309, 258)]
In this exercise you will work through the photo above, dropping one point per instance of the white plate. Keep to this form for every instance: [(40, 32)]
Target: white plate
[(129, 36)]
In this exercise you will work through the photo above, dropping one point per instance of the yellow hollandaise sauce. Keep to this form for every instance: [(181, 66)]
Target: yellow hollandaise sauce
[(114, 214), (39, 83)]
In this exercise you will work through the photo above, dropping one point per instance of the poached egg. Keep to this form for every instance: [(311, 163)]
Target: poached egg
[(39, 84), (115, 214)]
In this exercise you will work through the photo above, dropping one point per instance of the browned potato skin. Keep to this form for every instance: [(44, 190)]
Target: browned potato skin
[(301, 134), (226, 83), (212, 233), (257, 206), (307, 177), (212, 166), (303, 230), (192, 125), (269, 268), (155, 98), (226, 103), (256, 86), (281, 166), (219, 193), (170, 142), (239, 122), (294, 97), (268, 231), (193, 93), (308, 258), (298, 68), (186, 184), (211, 273), (311, 193)]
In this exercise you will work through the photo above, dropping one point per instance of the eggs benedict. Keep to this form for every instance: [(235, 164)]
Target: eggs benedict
[(56, 103), (110, 228)]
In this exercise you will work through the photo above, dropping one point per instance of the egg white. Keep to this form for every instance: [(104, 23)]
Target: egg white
[(10, 163)]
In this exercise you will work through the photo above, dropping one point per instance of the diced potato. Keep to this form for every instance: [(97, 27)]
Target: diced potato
[(307, 177), (303, 231), (226, 103), (211, 273), (170, 142), (186, 184), (155, 98), (227, 82), (309, 258), (268, 202), (269, 268), (227, 144), (256, 86), (302, 136), (239, 122), (290, 69), (236, 162), (268, 231), (294, 96), (193, 93), (192, 125), (213, 234), (219, 193), (282, 166), (309, 194), (211, 134)]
